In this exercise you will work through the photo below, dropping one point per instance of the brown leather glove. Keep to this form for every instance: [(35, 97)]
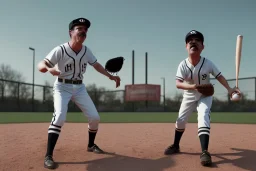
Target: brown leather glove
[(205, 89)]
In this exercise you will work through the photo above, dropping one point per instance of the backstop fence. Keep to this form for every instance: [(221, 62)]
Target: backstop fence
[(17, 96)]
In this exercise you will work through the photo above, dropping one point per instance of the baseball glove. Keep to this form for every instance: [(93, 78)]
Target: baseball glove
[(114, 65), (205, 89)]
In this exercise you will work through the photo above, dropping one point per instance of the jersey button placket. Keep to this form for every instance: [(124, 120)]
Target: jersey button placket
[(195, 71)]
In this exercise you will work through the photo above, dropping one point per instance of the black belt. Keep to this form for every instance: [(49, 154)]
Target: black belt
[(70, 81)]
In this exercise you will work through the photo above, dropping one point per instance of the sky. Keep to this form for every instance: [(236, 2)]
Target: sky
[(121, 26)]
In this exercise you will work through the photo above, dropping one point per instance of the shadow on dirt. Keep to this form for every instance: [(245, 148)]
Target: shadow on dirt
[(245, 159), (115, 162)]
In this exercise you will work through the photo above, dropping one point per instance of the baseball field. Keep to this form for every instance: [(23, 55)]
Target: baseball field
[(133, 141)]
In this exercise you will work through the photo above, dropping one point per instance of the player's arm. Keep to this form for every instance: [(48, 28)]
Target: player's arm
[(217, 74), (43, 66), (224, 82), (185, 86), (180, 77), (98, 67), (48, 63)]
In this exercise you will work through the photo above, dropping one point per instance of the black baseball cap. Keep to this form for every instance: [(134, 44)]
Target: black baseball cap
[(194, 33), (79, 21)]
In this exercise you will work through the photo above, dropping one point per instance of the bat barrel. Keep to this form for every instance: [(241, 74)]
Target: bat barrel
[(239, 41)]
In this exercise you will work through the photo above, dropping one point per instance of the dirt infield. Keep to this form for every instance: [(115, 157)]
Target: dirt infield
[(131, 147)]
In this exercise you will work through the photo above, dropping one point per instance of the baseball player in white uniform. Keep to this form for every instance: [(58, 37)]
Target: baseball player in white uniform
[(69, 62), (192, 71)]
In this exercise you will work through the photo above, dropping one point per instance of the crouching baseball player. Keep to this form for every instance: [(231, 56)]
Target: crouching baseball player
[(69, 62), (193, 76)]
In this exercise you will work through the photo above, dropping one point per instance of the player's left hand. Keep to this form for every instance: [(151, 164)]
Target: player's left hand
[(54, 71), (233, 90), (116, 79)]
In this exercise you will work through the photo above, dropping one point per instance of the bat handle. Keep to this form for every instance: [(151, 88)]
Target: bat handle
[(236, 82)]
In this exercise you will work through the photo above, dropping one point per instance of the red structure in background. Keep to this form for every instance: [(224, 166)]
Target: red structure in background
[(142, 92)]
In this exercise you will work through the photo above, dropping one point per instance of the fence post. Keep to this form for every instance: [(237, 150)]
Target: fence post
[(2, 91), (255, 88), (96, 100), (43, 94), (18, 93)]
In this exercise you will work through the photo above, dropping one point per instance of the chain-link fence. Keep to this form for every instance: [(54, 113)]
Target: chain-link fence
[(222, 101), (17, 96), (246, 85)]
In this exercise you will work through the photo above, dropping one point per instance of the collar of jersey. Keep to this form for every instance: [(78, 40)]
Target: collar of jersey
[(192, 66)]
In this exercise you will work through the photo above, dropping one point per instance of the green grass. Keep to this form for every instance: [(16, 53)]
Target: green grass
[(129, 117)]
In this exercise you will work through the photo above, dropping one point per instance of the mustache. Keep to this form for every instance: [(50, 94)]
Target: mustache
[(83, 34), (193, 45)]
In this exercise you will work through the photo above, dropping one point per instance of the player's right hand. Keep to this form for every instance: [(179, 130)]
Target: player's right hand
[(53, 71)]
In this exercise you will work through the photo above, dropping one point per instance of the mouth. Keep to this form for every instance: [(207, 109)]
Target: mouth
[(193, 47)]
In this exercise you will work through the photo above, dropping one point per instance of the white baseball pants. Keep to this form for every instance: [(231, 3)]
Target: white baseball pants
[(203, 107), (62, 94)]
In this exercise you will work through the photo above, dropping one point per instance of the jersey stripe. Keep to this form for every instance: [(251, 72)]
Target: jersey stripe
[(48, 61), (79, 75), (62, 52), (218, 75), (180, 78), (73, 60), (56, 125), (93, 62), (199, 71), (189, 69)]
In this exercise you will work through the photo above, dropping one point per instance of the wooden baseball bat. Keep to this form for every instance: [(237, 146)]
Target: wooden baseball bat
[(239, 41)]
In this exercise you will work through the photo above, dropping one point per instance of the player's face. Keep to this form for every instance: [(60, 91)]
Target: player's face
[(194, 46), (79, 33)]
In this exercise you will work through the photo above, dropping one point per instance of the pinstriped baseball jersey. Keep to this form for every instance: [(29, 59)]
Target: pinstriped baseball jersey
[(71, 65), (199, 74)]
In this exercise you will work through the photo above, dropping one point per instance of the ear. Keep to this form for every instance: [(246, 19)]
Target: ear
[(186, 46), (69, 33)]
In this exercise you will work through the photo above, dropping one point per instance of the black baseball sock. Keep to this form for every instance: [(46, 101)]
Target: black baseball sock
[(92, 135), (204, 140), (52, 140), (178, 135)]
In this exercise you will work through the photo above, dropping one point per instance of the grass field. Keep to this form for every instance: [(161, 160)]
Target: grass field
[(129, 117)]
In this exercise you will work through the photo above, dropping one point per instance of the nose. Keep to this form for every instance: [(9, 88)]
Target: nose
[(193, 41), (84, 30)]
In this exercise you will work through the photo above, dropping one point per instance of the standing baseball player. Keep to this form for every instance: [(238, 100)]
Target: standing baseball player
[(193, 71), (69, 62)]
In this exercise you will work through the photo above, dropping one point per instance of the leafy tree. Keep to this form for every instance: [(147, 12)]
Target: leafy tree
[(14, 88)]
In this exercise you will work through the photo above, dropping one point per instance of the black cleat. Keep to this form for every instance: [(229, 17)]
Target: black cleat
[(172, 150), (206, 159), (49, 162), (95, 149)]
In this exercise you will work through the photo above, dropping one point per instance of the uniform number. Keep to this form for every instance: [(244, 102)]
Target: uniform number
[(84, 67)]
